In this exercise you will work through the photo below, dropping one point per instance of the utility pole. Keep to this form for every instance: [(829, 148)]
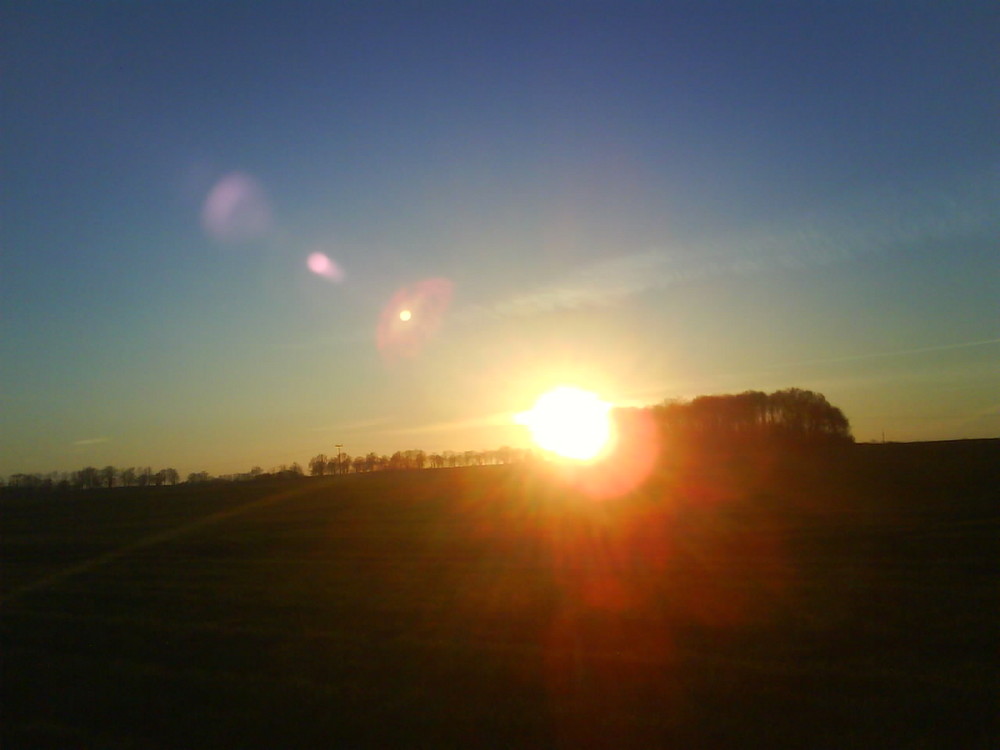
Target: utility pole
[(340, 468)]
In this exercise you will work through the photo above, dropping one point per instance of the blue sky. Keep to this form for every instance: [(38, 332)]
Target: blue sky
[(653, 200)]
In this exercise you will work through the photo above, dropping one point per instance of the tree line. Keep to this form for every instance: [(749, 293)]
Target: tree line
[(321, 465), (91, 477), (109, 477), (789, 416)]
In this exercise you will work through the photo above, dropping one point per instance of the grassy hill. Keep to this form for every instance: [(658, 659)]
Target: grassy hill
[(794, 600)]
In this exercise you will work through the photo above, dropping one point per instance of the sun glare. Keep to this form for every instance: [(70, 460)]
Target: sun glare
[(570, 422), (405, 315)]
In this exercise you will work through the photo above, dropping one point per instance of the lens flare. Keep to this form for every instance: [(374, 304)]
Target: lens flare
[(236, 209), (412, 317), (322, 265), (628, 459)]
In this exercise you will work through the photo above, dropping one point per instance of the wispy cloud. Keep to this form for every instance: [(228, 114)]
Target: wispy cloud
[(896, 352), (92, 441), (364, 424), (878, 224), (493, 420), (600, 284)]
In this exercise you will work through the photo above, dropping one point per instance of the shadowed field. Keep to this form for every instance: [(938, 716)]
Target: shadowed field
[(811, 601)]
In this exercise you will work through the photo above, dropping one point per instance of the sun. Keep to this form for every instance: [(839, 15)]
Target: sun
[(570, 422)]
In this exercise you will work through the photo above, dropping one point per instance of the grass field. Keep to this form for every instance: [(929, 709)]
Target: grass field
[(848, 600)]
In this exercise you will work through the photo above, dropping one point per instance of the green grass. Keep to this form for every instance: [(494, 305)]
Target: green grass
[(793, 601)]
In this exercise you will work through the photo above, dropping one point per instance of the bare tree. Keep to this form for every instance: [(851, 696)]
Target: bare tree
[(318, 465), (87, 478)]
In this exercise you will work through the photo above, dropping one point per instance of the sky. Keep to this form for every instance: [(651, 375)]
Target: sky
[(214, 212)]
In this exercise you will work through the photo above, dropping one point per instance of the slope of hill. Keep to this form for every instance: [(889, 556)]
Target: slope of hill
[(819, 600)]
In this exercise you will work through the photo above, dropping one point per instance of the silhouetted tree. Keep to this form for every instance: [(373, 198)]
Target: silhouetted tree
[(25, 481), (88, 478), (792, 415), (318, 465)]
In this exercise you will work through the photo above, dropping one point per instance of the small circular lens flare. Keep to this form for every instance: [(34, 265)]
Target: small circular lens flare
[(412, 317), (236, 209)]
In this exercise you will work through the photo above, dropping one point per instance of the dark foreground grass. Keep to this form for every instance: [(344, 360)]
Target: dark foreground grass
[(793, 601)]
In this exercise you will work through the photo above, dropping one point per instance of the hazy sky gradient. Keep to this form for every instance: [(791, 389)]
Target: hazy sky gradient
[(654, 200)]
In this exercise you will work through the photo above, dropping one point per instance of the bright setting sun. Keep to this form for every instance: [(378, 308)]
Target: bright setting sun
[(570, 422)]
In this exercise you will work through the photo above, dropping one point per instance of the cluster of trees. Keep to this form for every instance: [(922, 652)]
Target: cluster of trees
[(791, 415), (91, 477), (343, 463)]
